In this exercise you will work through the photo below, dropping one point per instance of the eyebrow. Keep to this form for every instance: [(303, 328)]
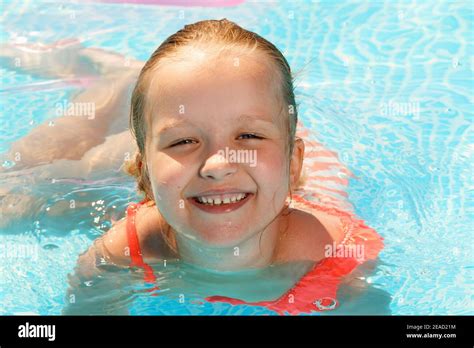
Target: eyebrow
[(180, 123), (173, 124), (254, 118)]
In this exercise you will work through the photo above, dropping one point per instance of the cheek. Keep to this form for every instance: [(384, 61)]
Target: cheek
[(167, 178), (272, 176), (271, 168)]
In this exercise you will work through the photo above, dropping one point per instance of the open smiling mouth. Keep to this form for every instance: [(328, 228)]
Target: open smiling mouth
[(221, 203)]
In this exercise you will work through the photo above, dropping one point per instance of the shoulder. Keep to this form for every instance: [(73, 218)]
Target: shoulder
[(149, 226), (309, 233)]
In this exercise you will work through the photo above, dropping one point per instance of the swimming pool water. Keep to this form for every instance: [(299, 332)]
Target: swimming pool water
[(387, 84)]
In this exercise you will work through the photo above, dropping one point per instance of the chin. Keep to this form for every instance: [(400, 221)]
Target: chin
[(223, 237)]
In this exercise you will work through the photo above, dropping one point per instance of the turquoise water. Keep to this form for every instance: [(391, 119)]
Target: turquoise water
[(388, 85)]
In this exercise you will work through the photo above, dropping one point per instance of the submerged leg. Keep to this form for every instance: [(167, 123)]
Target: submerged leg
[(106, 101), (57, 60), (64, 59), (24, 192)]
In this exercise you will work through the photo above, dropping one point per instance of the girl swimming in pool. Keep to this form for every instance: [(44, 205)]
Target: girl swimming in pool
[(210, 90)]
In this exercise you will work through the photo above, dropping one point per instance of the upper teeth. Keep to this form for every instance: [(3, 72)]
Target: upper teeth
[(222, 199)]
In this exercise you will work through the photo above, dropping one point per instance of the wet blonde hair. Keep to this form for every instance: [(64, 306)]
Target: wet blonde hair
[(226, 35)]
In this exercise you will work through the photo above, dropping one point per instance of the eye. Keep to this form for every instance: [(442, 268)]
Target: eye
[(253, 136), (183, 142)]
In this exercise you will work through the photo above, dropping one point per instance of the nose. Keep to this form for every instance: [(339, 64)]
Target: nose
[(216, 167)]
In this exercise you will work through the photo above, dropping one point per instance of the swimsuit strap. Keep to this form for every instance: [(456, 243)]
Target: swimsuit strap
[(136, 255)]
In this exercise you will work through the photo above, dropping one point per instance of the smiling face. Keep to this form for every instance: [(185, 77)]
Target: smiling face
[(199, 108)]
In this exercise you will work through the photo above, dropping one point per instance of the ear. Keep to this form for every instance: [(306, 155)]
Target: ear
[(296, 163)]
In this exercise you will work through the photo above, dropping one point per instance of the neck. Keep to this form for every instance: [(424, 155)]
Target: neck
[(258, 251)]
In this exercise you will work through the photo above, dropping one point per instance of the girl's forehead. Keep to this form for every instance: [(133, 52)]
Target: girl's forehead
[(219, 85)]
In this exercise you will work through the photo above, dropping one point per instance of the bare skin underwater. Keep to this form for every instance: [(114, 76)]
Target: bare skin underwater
[(74, 145)]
